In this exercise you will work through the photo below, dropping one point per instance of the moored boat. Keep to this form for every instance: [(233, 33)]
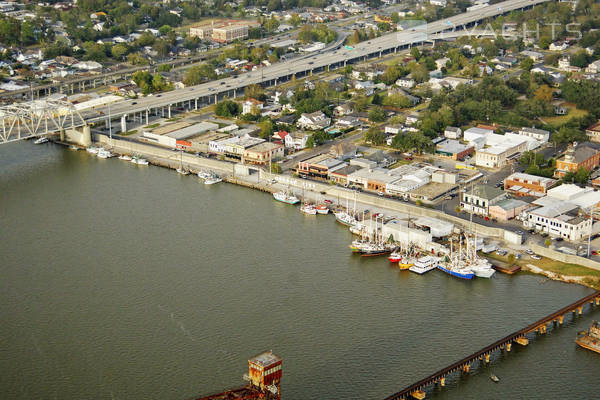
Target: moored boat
[(73, 147), (212, 180), (456, 271), (345, 219), (41, 140), (308, 209), (590, 339), (182, 171), (322, 209), (424, 264), (286, 198), (92, 150), (125, 157), (103, 153)]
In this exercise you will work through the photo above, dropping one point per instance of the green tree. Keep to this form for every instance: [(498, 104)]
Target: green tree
[(377, 114), (511, 259), (527, 64), (255, 92), (266, 128), (199, 73), (375, 136), (227, 108), (295, 20), (119, 51), (161, 47)]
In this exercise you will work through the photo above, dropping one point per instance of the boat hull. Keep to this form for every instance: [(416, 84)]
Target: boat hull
[(457, 274), (589, 343), (485, 273)]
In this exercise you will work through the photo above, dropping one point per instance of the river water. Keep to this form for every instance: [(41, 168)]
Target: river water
[(132, 282)]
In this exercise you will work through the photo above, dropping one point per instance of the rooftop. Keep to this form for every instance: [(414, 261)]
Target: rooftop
[(485, 192), (265, 359), (531, 178)]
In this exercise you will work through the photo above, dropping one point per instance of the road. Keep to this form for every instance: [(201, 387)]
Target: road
[(333, 55)]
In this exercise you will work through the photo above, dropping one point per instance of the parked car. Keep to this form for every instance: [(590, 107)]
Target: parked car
[(328, 201), (529, 251), (536, 257), (501, 252), (519, 232), (595, 253)]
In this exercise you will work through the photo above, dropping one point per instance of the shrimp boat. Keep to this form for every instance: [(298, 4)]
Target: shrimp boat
[(308, 209), (138, 160), (212, 180), (204, 175), (286, 197), (92, 150), (125, 157), (590, 339), (41, 140), (345, 219), (181, 170), (456, 266), (103, 153), (322, 209), (367, 247)]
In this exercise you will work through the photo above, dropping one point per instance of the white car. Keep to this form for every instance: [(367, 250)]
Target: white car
[(536, 257)]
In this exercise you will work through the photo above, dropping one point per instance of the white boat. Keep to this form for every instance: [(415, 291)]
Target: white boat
[(286, 198), (212, 180), (182, 171), (344, 218), (322, 209), (482, 268), (41, 140), (92, 150), (308, 209), (204, 175), (139, 161), (73, 147), (103, 153), (125, 157), (424, 264)]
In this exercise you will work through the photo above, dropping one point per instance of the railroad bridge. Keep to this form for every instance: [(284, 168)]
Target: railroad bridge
[(417, 390)]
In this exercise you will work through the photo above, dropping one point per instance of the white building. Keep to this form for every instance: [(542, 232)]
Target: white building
[(405, 83), (313, 121), (540, 135), (296, 140), (251, 105), (452, 132)]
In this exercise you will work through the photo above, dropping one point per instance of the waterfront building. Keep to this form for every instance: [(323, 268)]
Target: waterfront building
[(262, 153), (480, 198), (521, 184), (319, 166)]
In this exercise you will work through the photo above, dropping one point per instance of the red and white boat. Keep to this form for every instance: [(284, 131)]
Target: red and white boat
[(308, 209), (395, 257), (322, 209)]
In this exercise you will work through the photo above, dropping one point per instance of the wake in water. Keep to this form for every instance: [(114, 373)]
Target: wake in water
[(177, 322)]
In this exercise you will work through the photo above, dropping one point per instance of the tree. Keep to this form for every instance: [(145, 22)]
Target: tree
[(377, 114), (295, 20), (165, 29), (255, 92), (199, 73), (543, 93), (419, 72), (395, 17), (161, 47), (119, 51), (527, 64), (415, 52), (375, 136), (266, 128), (361, 102), (271, 24), (227, 108)]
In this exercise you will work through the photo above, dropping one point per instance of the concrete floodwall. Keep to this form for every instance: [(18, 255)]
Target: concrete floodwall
[(566, 258)]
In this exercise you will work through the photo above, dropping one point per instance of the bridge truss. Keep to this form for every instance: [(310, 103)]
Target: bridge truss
[(20, 121)]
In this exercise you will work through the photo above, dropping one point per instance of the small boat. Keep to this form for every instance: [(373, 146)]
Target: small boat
[(322, 209), (345, 219), (139, 161), (418, 394), (41, 140), (73, 147), (308, 209), (204, 175), (373, 250), (181, 171), (212, 180), (482, 268), (494, 378), (285, 197), (395, 257), (424, 264), (457, 271), (92, 150), (125, 157), (103, 153), (590, 339)]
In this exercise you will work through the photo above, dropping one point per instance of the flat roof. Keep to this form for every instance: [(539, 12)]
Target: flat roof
[(452, 146), (264, 146), (265, 359), (192, 130), (161, 130)]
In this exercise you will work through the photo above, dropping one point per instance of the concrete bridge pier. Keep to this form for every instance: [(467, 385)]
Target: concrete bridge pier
[(147, 117), (124, 123), (195, 104), (169, 111)]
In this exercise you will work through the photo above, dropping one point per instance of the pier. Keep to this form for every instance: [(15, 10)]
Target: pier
[(416, 390)]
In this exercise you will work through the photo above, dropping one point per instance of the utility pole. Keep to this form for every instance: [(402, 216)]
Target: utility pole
[(109, 123)]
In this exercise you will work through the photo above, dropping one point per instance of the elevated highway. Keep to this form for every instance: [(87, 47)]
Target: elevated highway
[(334, 56)]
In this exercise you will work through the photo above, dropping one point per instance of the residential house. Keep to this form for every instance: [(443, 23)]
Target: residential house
[(343, 109), (479, 198), (534, 55), (405, 83), (593, 132), (593, 68), (578, 155), (564, 63), (558, 46), (412, 119), (296, 140), (251, 106), (452, 132), (313, 121), (348, 121), (521, 184)]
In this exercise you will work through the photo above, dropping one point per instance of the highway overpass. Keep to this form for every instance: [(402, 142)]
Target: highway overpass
[(334, 56)]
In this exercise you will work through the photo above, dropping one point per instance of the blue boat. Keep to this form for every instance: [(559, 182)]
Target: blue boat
[(463, 273)]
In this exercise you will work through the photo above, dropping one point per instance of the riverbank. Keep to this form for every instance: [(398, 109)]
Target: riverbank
[(254, 178)]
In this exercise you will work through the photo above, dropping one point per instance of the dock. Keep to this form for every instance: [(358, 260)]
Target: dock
[(417, 389)]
